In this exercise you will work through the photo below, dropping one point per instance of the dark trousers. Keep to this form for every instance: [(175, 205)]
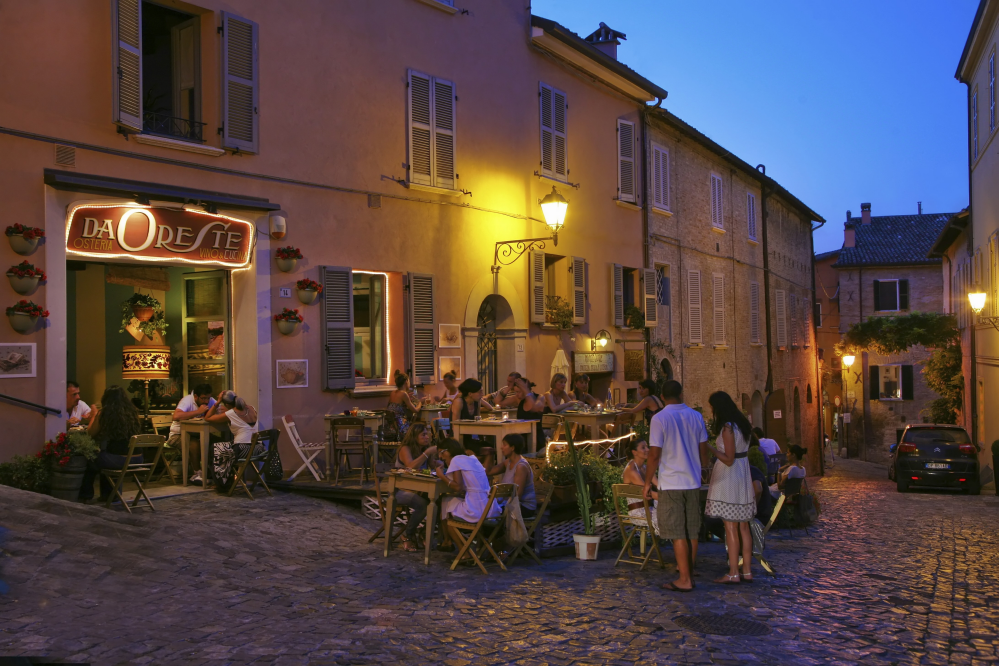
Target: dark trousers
[(104, 460)]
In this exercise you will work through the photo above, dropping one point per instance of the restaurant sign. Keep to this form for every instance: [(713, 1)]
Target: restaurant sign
[(593, 362), (147, 233)]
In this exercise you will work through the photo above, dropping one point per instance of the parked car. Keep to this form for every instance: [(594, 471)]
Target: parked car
[(935, 455)]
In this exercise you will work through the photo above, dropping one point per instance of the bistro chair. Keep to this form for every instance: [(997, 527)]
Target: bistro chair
[(791, 496), (543, 495), (345, 442), (388, 430), (160, 425), (626, 497), (760, 533), (440, 428), (553, 425), (257, 460), (469, 534), (307, 451), (397, 510), (137, 447)]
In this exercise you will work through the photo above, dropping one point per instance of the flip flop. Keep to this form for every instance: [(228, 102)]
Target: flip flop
[(746, 578), (673, 588)]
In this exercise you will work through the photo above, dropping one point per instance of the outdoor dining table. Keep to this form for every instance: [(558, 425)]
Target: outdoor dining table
[(593, 420), (201, 428), (417, 483), (430, 413), (372, 420), (499, 429)]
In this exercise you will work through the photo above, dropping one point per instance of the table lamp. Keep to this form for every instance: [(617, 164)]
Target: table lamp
[(145, 362)]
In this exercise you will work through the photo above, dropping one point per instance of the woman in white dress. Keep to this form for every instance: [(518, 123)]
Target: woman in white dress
[(634, 473), (730, 495), (464, 474)]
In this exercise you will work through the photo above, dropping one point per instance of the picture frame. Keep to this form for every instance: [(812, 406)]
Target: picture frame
[(449, 364), (292, 373), (18, 359), (449, 336)]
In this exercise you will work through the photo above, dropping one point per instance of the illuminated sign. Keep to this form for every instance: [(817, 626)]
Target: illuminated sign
[(134, 231), (593, 362)]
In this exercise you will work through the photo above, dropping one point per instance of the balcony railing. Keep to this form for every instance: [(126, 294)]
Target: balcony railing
[(160, 123)]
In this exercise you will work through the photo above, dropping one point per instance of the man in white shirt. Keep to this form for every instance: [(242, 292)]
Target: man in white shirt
[(678, 443), (505, 397), (78, 410), (768, 446), (191, 406)]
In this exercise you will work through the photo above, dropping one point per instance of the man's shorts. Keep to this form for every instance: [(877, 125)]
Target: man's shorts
[(679, 513)]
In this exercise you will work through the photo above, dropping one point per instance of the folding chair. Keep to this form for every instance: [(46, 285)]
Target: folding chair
[(388, 432), (137, 445), (477, 530), (623, 424), (554, 424), (791, 495), (440, 428), (269, 440), (543, 495), (626, 494), (381, 469), (307, 451), (344, 445), (761, 536), (160, 424)]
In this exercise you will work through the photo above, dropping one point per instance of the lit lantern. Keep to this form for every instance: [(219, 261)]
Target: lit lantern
[(554, 206), (977, 300)]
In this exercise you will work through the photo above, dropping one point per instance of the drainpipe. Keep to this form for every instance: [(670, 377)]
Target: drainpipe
[(646, 248), (766, 289), (818, 372)]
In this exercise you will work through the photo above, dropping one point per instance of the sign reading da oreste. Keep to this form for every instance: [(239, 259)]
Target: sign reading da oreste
[(158, 234)]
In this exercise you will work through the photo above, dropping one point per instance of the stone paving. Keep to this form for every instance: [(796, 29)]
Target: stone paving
[(884, 578)]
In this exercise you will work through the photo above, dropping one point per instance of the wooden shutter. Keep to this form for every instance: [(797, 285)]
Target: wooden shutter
[(559, 112), (553, 109), (536, 268), (420, 129), (793, 303), (907, 388), (444, 125), (241, 84), (649, 287), (874, 379), (877, 296), (694, 307), (781, 315), (660, 177), (617, 293), (754, 312), (126, 63), (338, 316), (422, 328), (751, 215), (806, 323), (717, 220), (578, 290), (903, 294), (626, 161), (718, 307)]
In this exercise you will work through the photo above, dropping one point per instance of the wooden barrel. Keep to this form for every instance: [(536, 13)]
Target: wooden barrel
[(67, 479)]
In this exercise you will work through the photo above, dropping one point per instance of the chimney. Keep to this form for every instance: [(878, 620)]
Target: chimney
[(865, 213), (849, 215), (606, 39), (919, 206), (849, 235)]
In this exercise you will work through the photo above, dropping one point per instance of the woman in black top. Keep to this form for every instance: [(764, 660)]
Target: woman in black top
[(530, 407), (111, 426), (466, 407), (650, 404)]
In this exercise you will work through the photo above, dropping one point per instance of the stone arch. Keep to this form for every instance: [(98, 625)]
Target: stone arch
[(508, 331), (489, 285)]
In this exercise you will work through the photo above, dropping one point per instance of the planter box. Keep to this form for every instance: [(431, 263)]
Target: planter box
[(555, 535)]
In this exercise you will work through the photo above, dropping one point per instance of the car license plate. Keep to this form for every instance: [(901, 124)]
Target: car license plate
[(937, 466)]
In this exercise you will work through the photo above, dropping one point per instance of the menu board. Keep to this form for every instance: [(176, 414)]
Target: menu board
[(592, 362), (634, 365)]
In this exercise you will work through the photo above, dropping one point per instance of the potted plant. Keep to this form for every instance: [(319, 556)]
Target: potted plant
[(67, 456), (634, 317), (24, 314), (287, 258), (24, 239), (308, 290), (288, 321), (587, 543), (24, 277), (147, 310), (27, 473), (561, 473), (558, 313)]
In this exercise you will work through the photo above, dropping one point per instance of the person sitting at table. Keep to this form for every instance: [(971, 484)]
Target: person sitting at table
[(650, 404), (111, 426), (792, 470), (634, 473), (414, 453), (401, 403), (767, 445), (191, 406), (77, 410), (531, 407), (450, 390), (468, 407), (558, 399), (464, 474), (242, 421), (579, 393), (516, 469), (505, 396)]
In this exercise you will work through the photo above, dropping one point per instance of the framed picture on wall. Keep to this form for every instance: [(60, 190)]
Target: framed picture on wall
[(449, 364), (293, 373), (449, 336), (17, 360)]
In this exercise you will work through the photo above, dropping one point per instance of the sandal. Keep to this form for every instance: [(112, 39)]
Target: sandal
[(746, 578), (729, 580), (408, 545), (673, 588)]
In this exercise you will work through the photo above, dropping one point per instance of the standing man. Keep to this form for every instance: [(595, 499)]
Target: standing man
[(767, 445), (678, 443), (192, 406), (505, 396), (78, 410)]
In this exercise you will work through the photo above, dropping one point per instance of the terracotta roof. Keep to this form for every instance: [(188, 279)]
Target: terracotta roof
[(826, 255), (894, 240)]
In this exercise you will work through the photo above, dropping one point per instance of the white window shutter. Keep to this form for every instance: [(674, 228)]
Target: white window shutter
[(617, 293), (718, 307), (781, 314), (338, 317), (536, 267), (241, 84), (754, 312), (422, 328), (626, 161), (444, 133), (126, 63), (578, 290), (560, 109), (660, 177), (694, 307), (420, 130), (793, 303), (547, 132), (651, 305), (717, 220), (751, 215)]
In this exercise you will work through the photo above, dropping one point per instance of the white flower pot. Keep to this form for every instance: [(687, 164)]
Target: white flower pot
[(21, 245), (287, 327), (23, 285), (307, 296), (286, 265), (21, 322), (587, 546)]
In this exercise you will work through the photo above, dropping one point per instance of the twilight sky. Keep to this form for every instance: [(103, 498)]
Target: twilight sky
[(844, 102)]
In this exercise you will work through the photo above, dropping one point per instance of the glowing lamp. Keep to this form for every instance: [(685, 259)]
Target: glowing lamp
[(554, 206), (977, 300), (278, 222), (848, 360), (600, 340), (145, 362)]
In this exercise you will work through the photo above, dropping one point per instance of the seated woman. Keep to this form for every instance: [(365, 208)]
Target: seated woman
[(634, 473), (467, 407), (450, 390), (112, 426), (792, 470), (241, 418), (558, 399), (531, 406), (414, 453), (649, 404), (464, 474), (402, 404), (516, 469), (579, 391)]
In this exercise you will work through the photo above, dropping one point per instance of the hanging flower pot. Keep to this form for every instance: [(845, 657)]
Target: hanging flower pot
[(24, 315), (23, 239), (308, 290), (142, 312), (288, 321), (287, 258), (24, 277)]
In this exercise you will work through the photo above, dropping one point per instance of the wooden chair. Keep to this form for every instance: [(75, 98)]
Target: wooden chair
[(543, 495), (622, 425), (773, 518), (137, 445), (791, 495), (343, 444), (477, 531), (381, 469), (259, 461), (160, 425), (388, 431), (555, 425), (625, 494), (307, 451), (440, 428)]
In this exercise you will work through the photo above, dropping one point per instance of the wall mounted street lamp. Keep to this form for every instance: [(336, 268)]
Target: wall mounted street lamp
[(977, 301), (600, 340), (554, 206), (848, 360)]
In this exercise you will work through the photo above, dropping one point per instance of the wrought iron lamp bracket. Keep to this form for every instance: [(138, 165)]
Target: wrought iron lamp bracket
[(992, 321), (508, 252)]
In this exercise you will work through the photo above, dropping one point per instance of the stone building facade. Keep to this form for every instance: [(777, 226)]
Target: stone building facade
[(827, 334)]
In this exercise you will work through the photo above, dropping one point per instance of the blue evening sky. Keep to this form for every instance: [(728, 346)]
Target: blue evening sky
[(844, 102)]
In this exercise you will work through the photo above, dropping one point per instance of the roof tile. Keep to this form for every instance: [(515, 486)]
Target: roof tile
[(893, 240)]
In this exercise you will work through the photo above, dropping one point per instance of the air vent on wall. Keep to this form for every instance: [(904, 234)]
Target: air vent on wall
[(65, 156), (374, 201)]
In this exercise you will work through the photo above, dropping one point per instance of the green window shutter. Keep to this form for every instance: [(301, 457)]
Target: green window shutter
[(903, 294), (907, 389), (422, 328), (126, 63), (338, 319), (873, 377), (240, 84)]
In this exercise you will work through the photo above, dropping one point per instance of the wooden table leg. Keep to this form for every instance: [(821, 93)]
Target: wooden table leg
[(204, 457), (389, 511), (185, 441), (430, 520)]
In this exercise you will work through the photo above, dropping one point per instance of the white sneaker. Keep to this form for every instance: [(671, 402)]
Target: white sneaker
[(195, 477)]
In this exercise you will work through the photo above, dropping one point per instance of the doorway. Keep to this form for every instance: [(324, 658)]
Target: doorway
[(486, 357)]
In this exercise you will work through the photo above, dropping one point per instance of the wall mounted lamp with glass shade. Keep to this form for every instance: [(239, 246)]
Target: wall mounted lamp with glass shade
[(977, 301), (848, 360), (600, 340), (554, 207)]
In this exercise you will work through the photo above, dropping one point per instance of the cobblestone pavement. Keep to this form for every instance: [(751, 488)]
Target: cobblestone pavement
[(884, 578)]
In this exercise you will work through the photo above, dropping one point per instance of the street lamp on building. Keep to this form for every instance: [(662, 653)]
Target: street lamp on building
[(848, 360), (600, 340), (554, 207), (977, 301)]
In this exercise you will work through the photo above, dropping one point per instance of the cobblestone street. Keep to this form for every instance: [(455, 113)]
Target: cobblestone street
[(884, 578)]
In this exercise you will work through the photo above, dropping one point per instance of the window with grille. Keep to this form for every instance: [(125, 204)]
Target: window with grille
[(751, 215)]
